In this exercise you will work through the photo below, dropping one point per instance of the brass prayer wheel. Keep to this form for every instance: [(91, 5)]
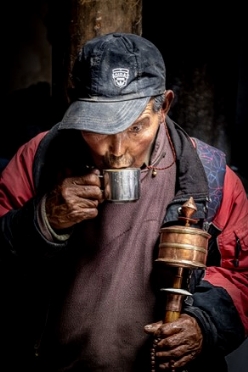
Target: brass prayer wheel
[(183, 246)]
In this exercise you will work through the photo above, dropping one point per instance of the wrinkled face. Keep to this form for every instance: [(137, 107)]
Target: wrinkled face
[(130, 148)]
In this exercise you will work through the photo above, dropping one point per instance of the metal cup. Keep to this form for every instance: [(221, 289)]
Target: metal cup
[(122, 185)]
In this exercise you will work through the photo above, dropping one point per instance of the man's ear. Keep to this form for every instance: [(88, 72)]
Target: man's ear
[(169, 96)]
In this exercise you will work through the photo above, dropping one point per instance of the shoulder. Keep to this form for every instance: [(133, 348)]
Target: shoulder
[(234, 204), (16, 181), (214, 163), (210, 155), (24, 156)]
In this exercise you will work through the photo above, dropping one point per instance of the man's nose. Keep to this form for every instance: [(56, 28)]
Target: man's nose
[(118, 144)]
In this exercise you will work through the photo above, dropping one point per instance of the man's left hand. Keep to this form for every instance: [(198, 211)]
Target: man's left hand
[(179, 342)]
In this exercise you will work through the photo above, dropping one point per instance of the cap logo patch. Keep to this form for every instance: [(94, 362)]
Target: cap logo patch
[(120, 76)]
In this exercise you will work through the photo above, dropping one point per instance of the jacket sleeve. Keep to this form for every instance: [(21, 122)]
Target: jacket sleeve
[(220, 299), (20, 234)]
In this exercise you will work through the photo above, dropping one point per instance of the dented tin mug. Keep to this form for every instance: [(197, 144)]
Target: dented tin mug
[(121, 185)]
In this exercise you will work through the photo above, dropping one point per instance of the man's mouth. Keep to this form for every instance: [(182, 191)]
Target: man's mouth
[(120, 162)]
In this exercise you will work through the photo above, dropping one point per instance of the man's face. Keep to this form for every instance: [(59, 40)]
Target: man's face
[(130, 148)]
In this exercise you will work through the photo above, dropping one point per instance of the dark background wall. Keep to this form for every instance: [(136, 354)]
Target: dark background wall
[(26, 73), (204, 48)]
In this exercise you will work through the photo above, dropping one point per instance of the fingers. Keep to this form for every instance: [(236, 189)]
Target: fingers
[(167, 351), (90, 179), (75, 200), (87, 187), (73, 194), (173, 362), (63, 217), (179, 341)]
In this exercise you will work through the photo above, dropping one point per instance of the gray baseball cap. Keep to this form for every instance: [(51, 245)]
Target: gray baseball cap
[(115, 75)]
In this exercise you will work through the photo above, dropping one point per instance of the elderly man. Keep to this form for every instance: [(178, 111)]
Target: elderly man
[(84, 283)]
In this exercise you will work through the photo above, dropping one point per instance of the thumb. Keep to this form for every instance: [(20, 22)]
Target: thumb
[(152, 328)]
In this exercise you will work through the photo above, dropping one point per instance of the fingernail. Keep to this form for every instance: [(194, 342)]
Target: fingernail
[(148, 326)]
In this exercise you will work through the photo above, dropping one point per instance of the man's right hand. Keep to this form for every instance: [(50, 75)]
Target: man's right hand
[(76, 199)]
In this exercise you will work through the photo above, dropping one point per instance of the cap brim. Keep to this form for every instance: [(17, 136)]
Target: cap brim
[(104, 117)]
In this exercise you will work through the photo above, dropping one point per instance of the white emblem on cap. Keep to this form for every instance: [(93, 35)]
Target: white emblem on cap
[(120, 76)]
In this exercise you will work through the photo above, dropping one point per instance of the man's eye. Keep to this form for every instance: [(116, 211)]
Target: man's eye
[(136, 128)]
